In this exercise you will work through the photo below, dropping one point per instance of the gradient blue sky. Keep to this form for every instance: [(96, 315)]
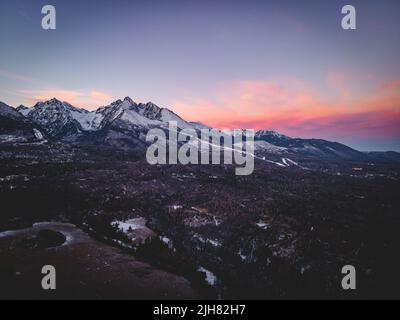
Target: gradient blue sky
[(284, 65)]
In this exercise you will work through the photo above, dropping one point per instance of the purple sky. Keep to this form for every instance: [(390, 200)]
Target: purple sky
[(284, 65)]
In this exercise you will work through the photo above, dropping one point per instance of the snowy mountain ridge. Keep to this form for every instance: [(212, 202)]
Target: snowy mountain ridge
[(123, 124), (58, 117)]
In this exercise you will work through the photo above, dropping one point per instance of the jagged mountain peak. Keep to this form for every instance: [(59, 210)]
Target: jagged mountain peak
[(21, 107), (54, 100), (150, 104), (271, 133), (150, 110), (54, 103), (58, 118), (116, 103), (128, 99), (127, 103), (6, 110)]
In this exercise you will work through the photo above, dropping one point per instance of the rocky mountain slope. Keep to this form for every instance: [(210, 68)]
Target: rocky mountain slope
[(317, 148), (14, 127)]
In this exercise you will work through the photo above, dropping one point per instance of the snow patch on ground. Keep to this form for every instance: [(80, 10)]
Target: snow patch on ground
[(6, 234), (130, 225), (37, 134), (262, 225), (210, 277), (213, 242), (68, 239), (168, 242), (277, 163), (289, 162), (243, 256), (175, 207)]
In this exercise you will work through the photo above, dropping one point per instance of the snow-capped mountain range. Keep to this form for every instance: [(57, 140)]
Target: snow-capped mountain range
[(61, 118), (124, 123)]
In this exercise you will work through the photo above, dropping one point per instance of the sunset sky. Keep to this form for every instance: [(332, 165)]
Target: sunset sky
[(282, 65)]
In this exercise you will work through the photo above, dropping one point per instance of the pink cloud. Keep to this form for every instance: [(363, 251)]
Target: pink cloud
[(340, 81), (82, 99), (15, 76), (295, 108), (101, 96)]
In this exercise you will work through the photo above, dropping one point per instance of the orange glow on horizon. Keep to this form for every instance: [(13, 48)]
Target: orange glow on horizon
[(299, 110)]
